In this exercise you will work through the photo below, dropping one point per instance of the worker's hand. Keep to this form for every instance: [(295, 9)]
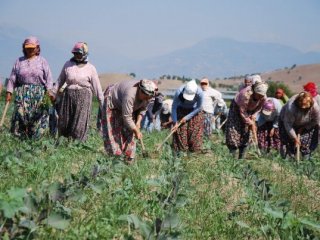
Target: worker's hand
[(253, 117), (250, 122), (297, 141), (175, 127), (271, 132), (253, 127), (137, 133), (52, 98), (183, 120), (8, 96)]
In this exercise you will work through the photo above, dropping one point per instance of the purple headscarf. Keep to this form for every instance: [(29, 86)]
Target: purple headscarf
[(31, 42)]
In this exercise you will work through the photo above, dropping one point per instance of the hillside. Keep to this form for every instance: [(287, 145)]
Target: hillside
[(294, 77)]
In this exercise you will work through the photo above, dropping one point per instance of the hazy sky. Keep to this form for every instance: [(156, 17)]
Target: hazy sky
[(144, 28)]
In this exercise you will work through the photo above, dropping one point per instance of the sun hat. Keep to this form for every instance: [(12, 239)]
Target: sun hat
[(190, 90)]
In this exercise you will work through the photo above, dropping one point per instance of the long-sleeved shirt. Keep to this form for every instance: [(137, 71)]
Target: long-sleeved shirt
[(124, 97), (209, 96), (273, 117), (293, 117), (154, 106), (76, 76), (179, 102), (247, 104), (34, 71)]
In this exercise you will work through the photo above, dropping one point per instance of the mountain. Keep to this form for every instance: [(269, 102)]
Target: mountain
[(11, 39), (221, 57), (214, 57)]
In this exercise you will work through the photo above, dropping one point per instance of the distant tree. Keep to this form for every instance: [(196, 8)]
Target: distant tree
[(213, 85), (273, 86), (293, 66), (132, 75)]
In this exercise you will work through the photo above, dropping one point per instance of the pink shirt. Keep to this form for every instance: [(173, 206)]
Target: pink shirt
[(34, 71), (248, 106), (79, 76)]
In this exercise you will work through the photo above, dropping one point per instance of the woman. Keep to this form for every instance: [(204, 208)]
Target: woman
[(78, 81), (165, 114), (188, 118), (125, 104), (268, 127), (210, 95), (32, 80), (300, 116), (242, 115), (281, 96)]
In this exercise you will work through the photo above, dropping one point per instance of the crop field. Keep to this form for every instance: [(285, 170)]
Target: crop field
[(61, 189)]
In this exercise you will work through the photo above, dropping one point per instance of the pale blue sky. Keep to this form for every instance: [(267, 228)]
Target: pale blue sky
[(144, 28)]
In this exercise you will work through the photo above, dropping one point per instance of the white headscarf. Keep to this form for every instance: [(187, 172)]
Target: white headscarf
[(260, 88)]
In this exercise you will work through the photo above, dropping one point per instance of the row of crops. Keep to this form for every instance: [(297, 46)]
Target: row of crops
[(61, 189)]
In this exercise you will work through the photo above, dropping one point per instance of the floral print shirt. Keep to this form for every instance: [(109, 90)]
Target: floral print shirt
[(34, 71)]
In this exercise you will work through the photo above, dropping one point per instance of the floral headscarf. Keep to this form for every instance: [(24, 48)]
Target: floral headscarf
[(80, 47), (148, 87)]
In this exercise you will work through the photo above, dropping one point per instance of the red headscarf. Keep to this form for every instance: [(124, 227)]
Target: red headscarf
[(311, 87), (280, 92)]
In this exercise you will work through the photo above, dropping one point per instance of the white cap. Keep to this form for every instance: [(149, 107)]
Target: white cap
[(190, 90)]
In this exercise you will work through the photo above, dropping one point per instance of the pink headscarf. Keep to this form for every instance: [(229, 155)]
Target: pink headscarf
[(31, 42)]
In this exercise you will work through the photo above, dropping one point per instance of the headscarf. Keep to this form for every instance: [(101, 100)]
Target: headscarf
[(148, 87), (260, 88), (311, 87), (31, 42), (268, 107), (280, 91), (80, 47), (256, 79), (304, 100)]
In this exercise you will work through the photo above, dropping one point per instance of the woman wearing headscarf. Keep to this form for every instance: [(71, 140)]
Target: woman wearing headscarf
[(268, 125), (281, 96), (187, 118), (78, 81), (125, 103), (299, 116), (165, 114), (242, 116), (32, 80), (210, 95), (312, 88)]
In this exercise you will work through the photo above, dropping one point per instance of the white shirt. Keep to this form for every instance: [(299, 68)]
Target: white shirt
[(210, 95)]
